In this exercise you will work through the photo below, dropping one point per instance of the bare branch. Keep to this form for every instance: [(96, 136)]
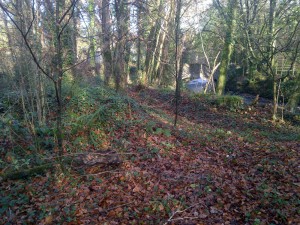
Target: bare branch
[(31, 22), (67, 11), (24, 36), (72, 6)]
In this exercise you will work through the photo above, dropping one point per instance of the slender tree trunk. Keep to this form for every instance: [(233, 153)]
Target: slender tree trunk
[(166, 58), (139, 33), (40, 92), (92, 49), (58, 65), (295, 97), (178, 74), (161, 42), (10, 42), (149, 52), (152, 62), (127, 41), (74, 46), (270, 55), (152, 45)]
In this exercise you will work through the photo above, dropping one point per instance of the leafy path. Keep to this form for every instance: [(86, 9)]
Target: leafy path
[(216, 167)]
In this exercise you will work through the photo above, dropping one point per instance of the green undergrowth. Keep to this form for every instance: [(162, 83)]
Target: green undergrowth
[(91, 116), (96, 112), (293, 118), (282, 135), (231, 102)]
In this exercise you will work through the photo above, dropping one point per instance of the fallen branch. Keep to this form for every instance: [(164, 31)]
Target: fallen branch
[(182, 218), (95, 174), (89, 153), (180, 211), (14, 175)]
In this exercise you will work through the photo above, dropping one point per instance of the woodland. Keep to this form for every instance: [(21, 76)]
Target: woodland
[(98, 124)]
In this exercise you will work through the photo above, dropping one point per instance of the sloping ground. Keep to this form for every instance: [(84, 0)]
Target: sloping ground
[(216, 167)]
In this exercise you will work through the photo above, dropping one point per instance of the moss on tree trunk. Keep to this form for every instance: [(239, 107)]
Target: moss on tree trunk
[(228, 46)]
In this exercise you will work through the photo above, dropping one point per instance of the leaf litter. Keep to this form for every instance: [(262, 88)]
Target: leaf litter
[(216, 167)]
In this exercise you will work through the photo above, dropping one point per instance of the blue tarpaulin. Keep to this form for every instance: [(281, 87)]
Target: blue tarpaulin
[(197, 85)]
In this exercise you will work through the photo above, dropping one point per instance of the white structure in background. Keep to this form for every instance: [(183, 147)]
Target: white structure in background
[(197, 85)]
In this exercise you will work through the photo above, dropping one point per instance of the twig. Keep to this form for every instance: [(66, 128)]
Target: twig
[(182, 218), (115, 207), (89, 153), (180, 211), (94, 174)]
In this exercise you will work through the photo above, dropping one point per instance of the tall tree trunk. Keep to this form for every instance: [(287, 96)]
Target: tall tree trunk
[(121, 10), (228, 46), (295, 97), (178, 56), (161, 42), (270, 55), (39, 82), (127, 41), (106, 50), (74, 42), (92, 48), (58, 66), (139, 34), (152, 44)]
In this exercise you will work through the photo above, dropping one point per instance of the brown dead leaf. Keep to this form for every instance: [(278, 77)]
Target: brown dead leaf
[(119, 210), (213, 210), (137, 189), (49, 219), (161, 207), (111, 213)]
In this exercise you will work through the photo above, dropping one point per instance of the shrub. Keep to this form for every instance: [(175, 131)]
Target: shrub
[(293, 118), (229, 101), (232, 102), (259, 84), (97, 108)]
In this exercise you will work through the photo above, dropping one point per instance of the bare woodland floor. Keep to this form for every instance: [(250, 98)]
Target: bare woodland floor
[(216, 167)]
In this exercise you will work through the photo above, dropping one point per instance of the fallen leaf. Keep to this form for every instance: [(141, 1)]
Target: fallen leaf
[(213, 210), (49, 219), (136, 189), (161, 207)]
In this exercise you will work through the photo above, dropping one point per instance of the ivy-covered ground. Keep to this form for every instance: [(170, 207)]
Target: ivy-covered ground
[(224, 163)]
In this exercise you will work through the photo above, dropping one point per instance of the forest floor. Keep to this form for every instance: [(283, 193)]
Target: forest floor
[(218, 166)]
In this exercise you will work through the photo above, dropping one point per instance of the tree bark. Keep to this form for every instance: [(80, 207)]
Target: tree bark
[(178, 61), (152, 44), (58, 70), (92, 42), (270, 55), (120, 64), (106, 39)]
